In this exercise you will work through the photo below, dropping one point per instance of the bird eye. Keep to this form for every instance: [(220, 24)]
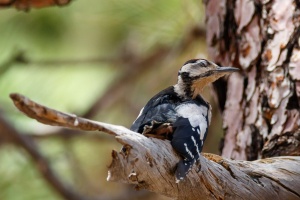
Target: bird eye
[(203, 63)]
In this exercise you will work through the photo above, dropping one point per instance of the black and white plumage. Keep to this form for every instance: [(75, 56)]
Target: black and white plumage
[(180, 114)]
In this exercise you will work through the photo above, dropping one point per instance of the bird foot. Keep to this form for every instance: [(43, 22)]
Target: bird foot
[(158, 130), (198, 165)]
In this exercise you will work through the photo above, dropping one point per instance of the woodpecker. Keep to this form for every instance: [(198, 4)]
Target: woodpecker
[(179, 113)]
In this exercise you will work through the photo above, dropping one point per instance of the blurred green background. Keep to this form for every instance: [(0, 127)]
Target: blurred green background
[(114, 54)]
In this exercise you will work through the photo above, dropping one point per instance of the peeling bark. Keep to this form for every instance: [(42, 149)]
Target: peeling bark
[(262, 38)]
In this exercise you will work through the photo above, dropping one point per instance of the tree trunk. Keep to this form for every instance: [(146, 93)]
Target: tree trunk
[(261, 106)]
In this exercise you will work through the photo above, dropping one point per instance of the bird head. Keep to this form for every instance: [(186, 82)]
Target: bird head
[(195, 74)]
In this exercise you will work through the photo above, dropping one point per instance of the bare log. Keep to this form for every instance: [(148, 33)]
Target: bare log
[(149, 164)]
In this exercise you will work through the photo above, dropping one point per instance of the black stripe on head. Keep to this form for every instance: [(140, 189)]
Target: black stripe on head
[(190, 61), (204, 63)]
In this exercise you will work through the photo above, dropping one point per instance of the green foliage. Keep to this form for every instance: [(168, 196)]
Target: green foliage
[(19, 178), (82, 30)]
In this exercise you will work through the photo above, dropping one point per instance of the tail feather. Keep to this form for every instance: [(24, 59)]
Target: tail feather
[(183, 168)]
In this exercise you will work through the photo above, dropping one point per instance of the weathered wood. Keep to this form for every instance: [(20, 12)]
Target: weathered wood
[(53, 117), (149, 164)]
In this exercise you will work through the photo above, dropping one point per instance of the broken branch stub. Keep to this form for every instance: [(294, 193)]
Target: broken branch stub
[(149, 164), (54, 117)]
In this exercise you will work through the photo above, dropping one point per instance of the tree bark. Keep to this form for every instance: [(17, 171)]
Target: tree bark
[(149, 164), (261, 112)]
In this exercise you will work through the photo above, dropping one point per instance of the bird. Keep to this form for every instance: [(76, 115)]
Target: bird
[(180, 114)]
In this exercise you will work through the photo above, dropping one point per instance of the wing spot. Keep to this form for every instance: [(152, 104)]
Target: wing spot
[(196, 145), (188, 151)]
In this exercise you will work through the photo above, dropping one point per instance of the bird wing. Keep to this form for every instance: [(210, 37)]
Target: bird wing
[(159, 109)]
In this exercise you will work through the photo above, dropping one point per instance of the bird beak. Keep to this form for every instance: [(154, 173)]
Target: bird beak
[(218, 71), (225, 70)]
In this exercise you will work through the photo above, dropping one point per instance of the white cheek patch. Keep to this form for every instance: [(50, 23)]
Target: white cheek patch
[(196, 116)]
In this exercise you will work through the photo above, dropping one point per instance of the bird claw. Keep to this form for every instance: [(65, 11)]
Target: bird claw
[(198, 165), (158, 130)]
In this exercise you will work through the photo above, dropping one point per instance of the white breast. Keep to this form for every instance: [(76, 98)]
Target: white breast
[(196, 115)]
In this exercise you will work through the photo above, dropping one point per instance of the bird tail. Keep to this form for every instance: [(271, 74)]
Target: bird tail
[(183, 168)]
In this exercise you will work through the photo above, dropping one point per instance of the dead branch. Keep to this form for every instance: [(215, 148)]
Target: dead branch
[(149, 164), (56, 118)]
